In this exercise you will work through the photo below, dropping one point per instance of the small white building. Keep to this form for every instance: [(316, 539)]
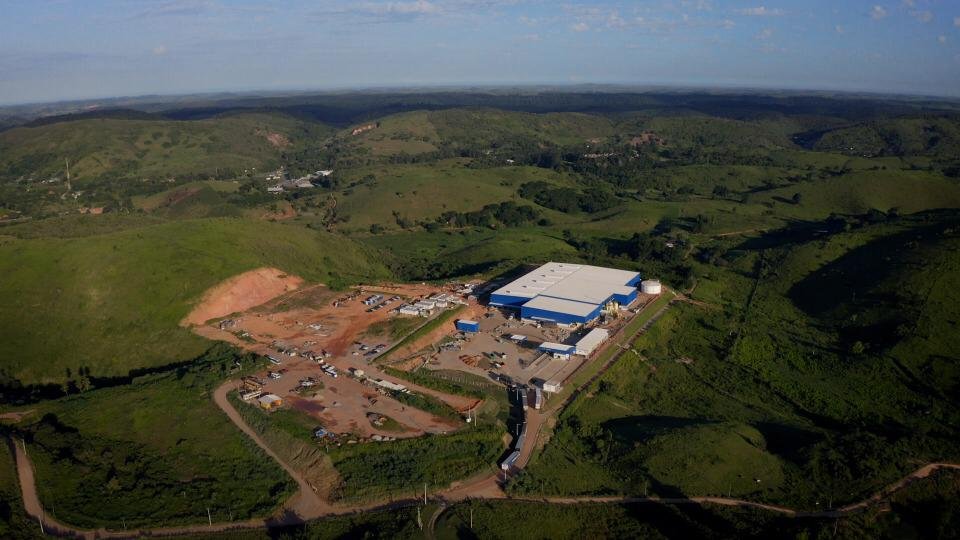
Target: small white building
[(270, 401), (551, 386), (408, 310), (591, 341)]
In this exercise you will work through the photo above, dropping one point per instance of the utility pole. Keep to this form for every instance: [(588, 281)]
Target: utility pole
[(424, 493), (471, 518), (419, 522), (209, 517)]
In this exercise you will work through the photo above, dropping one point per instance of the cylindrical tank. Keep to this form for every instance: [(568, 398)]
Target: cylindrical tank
[(650, 286)]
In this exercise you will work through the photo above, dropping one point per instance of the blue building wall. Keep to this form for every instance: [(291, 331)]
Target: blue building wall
[(506, 300), (561, 318), (626, 299), (635, 281)]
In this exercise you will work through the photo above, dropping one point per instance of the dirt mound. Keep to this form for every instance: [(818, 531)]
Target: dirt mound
[(241, 293)]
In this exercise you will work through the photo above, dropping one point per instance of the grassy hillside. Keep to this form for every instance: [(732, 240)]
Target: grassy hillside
[(818, 365), (112, 302), (427, 131), (897, 137), (417, 192), (135, 148)]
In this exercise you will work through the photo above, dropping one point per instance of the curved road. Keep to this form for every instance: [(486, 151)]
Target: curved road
[(306, 505)]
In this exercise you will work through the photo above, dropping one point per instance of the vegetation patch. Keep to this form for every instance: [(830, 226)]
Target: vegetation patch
[(157, 452)]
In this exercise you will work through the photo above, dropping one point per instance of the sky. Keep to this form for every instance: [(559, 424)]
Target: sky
[(54, 50)]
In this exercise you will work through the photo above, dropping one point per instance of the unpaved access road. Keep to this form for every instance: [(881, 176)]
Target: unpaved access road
[(306, 505)]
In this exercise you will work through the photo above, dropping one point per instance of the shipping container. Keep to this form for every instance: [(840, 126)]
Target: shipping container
[(464, 325)]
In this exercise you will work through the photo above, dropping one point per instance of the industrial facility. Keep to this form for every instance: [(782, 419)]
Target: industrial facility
[(568, 294)]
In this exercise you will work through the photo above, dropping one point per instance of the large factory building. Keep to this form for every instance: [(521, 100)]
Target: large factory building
[(568, 293)]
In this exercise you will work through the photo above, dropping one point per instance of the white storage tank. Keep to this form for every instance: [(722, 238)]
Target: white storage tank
[(650, 286)]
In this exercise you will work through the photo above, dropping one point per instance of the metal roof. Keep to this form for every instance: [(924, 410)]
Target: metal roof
[(578, 282), (559, 305), (592, 340), (556, 347)]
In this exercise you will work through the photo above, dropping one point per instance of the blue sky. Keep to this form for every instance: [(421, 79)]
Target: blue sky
[(62, 49)]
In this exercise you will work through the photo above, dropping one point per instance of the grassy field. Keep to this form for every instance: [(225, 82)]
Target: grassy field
[(155, 452), (423, 192), (112, 302), (400, 468)]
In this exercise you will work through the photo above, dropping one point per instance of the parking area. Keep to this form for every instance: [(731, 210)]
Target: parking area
[(507, 348)]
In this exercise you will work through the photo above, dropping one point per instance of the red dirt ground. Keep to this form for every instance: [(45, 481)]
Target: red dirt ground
[(241, 293)]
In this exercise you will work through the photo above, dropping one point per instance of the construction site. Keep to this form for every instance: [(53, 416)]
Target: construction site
[(340, 357)]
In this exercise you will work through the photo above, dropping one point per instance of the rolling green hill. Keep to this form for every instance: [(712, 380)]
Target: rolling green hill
[(112, 302), (418, 192), (135, 148), (938, 137), (821, 362), (427, 131)]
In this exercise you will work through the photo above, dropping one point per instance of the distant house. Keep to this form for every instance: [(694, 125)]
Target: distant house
[(270, 401), (326, 172), (275, 189)]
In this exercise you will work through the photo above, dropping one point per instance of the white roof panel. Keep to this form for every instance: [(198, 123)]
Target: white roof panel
[(560, 305), (592, 340), (559, 347), (577, 282)]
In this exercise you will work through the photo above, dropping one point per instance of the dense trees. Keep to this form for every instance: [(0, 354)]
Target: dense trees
[(506, 213), (568, 200)]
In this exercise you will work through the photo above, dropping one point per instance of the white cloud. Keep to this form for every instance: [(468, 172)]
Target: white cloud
[(942, 40), (416, 7), (160, 50), (615, 21), (760, 11), (764, 34), (922, 16), (839, 29), (529, 38), (580, 27), (956, 22), (878, 12), (909, 3), (698, 5), (727, 24)]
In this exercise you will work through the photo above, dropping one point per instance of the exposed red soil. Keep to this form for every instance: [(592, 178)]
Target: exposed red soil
[(241, 293)]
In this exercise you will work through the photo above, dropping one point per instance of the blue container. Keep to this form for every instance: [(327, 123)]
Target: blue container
[(464, 325)]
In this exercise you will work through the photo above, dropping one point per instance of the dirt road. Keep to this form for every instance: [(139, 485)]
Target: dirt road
[(306, 505)]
